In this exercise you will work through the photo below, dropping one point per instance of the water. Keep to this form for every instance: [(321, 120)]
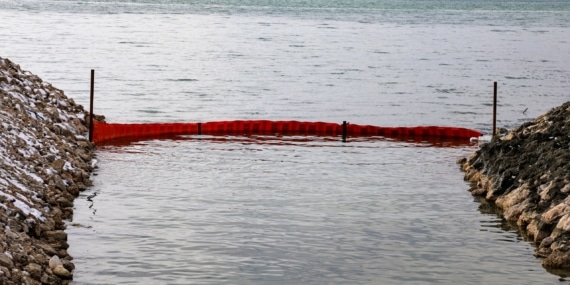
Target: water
[(251, 211), (203, 210), (383, 65)]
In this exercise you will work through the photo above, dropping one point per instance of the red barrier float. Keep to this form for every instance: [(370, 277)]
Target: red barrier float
[(105, 132)]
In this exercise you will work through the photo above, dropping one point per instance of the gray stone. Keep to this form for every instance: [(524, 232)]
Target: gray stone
[(5, 271), (54, 262), (6, 261), (27, 280), (48, 249)]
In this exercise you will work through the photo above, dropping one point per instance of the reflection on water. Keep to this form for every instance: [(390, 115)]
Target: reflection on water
[(496, 223), (209, 210), (295, 140), (507, 231)]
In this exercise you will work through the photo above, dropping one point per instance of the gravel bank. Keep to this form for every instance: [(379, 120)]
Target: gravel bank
[(45, 161), (526, 175)]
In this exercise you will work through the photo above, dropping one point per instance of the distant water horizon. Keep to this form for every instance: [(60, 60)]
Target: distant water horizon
[(493, 12), (484, 5)]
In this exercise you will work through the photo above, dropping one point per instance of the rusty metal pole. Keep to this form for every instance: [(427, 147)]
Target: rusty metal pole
[(91, 106), (494, 109), (343, 131)]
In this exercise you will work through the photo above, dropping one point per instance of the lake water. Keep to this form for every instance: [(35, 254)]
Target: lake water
[(261, 210)]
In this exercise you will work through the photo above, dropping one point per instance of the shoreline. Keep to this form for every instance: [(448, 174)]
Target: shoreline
[(45, 161), (526, 176)]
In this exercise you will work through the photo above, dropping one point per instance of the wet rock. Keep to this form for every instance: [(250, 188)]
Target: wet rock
[(63, 202), (563, 225), (62, 272), (60, 245), (557, 259), (68, 265), (526, 175), (56, 235)]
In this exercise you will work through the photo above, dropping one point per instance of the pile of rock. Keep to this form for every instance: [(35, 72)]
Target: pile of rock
[(526, 174), (45, 161)]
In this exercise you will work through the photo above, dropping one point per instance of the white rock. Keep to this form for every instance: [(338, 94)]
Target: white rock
[(54, 262)]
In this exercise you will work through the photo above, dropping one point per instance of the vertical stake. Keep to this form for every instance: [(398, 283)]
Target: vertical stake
[(343, 131), (91, 106), (494, 109)]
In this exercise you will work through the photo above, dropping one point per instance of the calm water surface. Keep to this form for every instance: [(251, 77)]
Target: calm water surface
[(224, 61), (202, 210), (251, 211)]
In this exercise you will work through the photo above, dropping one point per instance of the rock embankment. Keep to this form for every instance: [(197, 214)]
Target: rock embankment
[(45, 161), (526, 174)]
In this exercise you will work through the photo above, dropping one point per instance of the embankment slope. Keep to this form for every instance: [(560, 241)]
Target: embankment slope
[(45, 161), (526, 174)]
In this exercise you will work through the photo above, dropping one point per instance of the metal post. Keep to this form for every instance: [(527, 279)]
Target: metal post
[(343, 131), (91, 106), (494, 109)]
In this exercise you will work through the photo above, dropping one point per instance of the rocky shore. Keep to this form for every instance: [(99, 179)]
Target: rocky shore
[(526, 175), (45, 161)]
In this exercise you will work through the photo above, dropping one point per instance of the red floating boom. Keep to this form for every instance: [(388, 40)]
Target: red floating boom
[(103, 132)]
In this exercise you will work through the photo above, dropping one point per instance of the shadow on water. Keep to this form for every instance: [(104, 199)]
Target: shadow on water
[(488, 208)]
